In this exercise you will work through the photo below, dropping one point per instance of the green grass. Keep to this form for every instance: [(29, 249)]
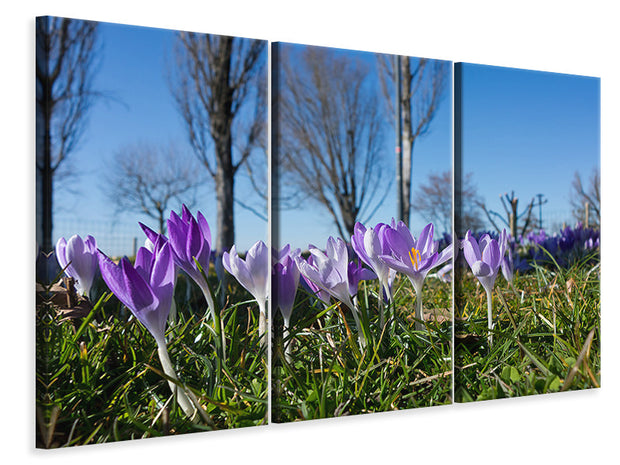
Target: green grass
[(99, 378), (546, 335), (329, 375)]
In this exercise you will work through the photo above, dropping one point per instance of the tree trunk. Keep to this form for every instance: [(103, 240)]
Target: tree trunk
[(221, 131), (349, 217), (407, 139), (162, 221), (44, 123), (224, 188), (47, 179)]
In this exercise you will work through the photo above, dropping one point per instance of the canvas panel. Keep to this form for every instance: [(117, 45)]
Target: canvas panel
[(351, 334), (151, 145), (527, 282)]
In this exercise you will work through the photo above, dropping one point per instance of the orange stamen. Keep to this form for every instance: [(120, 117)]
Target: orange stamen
[(414, 256)]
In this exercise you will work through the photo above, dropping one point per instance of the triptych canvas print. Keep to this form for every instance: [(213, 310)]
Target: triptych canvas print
[(233, 233)]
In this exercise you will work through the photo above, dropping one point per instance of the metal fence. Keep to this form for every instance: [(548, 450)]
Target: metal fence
[(115, 239)]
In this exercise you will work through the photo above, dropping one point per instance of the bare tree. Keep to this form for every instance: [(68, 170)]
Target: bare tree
[(517, 223), (146, 179), (589, 195), (214, 80), (422, 86), (65, 59), (330, 134), (433, 200)]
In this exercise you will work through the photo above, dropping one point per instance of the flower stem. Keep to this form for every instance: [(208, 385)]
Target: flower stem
[(262, 323), (217, 323), (361, 337), (419, 315), (184, 402), (287, 344), (490, 316), (213, 309)]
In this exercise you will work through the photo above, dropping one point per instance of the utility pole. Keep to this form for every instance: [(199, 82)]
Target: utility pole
[(540, 204)]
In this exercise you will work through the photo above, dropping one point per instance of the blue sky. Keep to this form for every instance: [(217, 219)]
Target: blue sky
[(529, 131), (432, 153), (138, 108), (525, 131)]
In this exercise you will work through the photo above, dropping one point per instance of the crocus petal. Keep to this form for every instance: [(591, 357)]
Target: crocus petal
[(195, 243), (240, 271), (358, 242), (471, 251), (484, 241), (151, 235), (143, 263), (113, 276), (481, 269), (406, 235), (321, 294), (399, 245), (445, 273), (81, 262), (507, 269), (427, 263), (149, 304), (163, 270), (286, 281), (252, 273), (185, 214), (90, 245), (204, 227), (61, 247), (129, 287), (356, 274), (226, 260), (279, 255), (257, 262), (138, 295), (491, 256), (425, 241), (445, 255), (396, 264), (326, 276), (177, 232)]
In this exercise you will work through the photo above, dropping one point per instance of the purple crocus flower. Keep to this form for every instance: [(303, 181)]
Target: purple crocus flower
[(190, 240), (151, 236), (414, 257), (369, 244), (285, 280), (507, 265), (329, 271), (445, 273), (147, 288), (320, 293), (253, 274), (485, 257), (285, 277), (78, 258), (357, 273)]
